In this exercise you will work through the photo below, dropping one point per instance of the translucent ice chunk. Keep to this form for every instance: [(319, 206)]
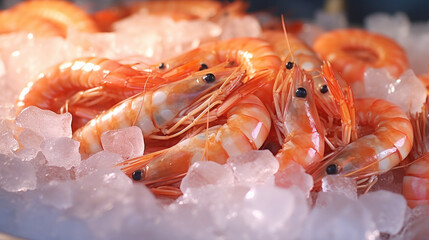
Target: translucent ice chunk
[(16, 175), (45, 123), (380, 84), (254, 166), (396, 26), (294, 175), (98, 161), (388, 216), (57, 194), (61, 152), (205, 173), (8, 142), (127, 142), (242, 26), (341, 185)]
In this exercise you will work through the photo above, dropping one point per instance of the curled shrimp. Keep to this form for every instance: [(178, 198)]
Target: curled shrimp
[(297, 118), (50, 89), (246, 128), (386, 138), (62, 13), (154, 110), (13, 21), (352, 51)]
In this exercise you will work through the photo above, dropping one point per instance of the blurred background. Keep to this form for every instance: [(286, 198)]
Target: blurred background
[(356, 10)]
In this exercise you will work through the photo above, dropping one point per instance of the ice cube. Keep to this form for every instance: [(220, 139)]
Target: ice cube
[(239, 26), (45, 123), (254, 166), (99, 192), (8, 142), (380, 84), (388, 216), (206, 172), (272, 210), (16, 175), (30, 139), (396, 26), (294, 175), (57, 194), (127, 142), (330, 21), (100, 160), (341, 218), (61, 152), (341, 185)]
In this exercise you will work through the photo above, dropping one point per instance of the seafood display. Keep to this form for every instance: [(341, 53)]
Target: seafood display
[(210, 103)]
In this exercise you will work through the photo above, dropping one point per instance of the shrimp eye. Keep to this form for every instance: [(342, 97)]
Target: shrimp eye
[(332, 169), (289, 65), (203, 66), (324, 89), (209, 78), (301, 92), (138, 175), (161, 65)]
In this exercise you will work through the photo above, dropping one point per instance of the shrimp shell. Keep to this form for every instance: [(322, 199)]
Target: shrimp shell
[(386, 138), (352, 51), (63, 13), (246, 128)]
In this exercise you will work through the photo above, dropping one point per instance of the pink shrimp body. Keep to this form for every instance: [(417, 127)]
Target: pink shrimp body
[(297, 119), (415, 185), (386, 138), (246, 128), (53, 86), (63, 13), (152, 110), (352, 51)]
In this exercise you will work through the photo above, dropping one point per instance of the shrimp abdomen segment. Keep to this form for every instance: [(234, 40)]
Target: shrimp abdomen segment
[(415, 186)]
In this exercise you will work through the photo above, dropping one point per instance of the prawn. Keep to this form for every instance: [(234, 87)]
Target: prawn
[(62, 13), (154, 110), (247, 126), (415, 185), (333, 96), (297, 118), (386, 138), (12, 21), (352, 51), (52, 87)]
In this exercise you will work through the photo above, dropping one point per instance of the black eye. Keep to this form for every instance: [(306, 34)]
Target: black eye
[(332, 169), (203, 66), (289, 65), (324, 89), (209, 78), (301, 92), (161, 65), (138, 175)]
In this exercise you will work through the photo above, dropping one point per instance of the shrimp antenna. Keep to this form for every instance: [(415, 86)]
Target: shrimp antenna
[(287, 38)]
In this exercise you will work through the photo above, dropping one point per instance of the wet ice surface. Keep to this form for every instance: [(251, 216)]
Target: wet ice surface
[(127, 142)]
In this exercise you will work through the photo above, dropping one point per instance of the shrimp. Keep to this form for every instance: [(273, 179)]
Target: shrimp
[(297, 118), (246, 128), (352, 51), (53, 86), (63, 13), (155, 110), (415, 183), (386, 138), (13, 21), (333, 96)]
